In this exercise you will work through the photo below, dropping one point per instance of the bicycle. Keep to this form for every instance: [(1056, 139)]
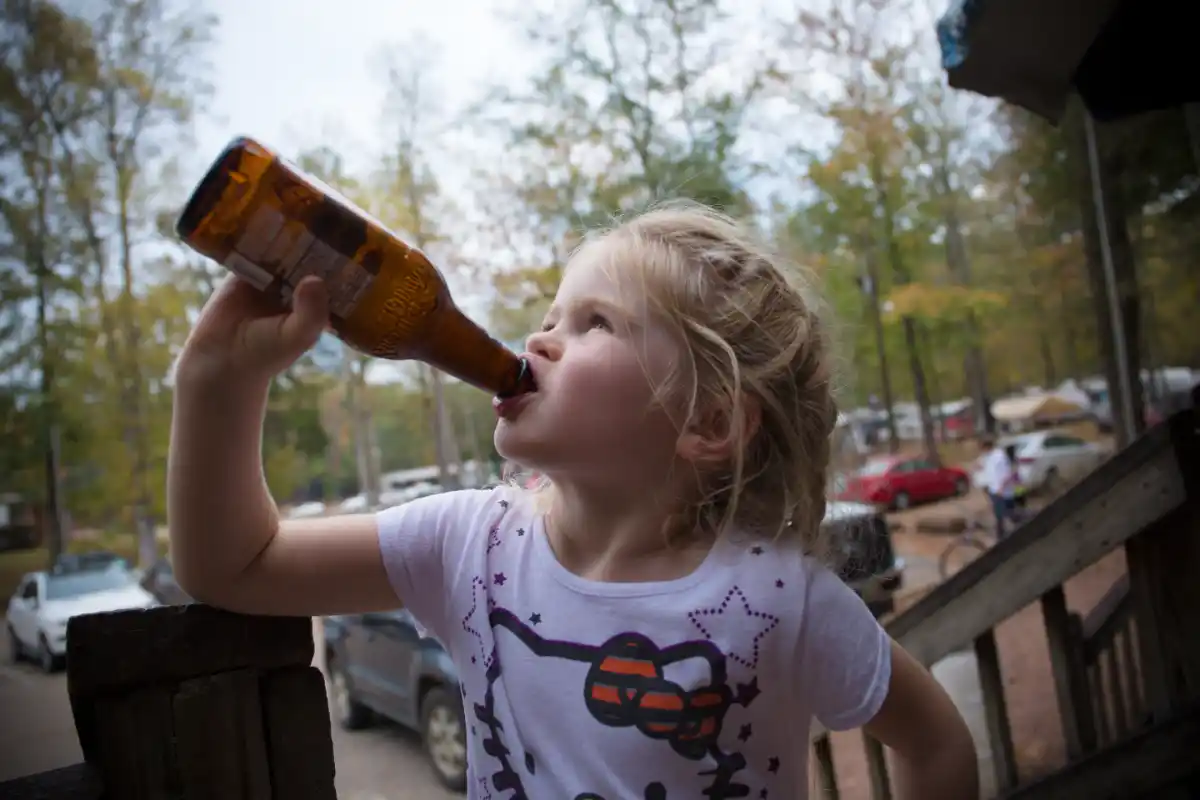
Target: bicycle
[(980, 536), (977, 536)]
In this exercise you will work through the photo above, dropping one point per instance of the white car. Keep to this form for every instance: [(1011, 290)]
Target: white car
[(1049, 460), (44, 601)]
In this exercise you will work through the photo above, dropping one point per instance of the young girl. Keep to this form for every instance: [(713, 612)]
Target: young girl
[(652, 621)]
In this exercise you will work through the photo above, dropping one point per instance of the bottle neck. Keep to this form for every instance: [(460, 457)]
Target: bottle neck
[(459, 347)]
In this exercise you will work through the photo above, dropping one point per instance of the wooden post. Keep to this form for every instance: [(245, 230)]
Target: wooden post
[(1163, 562), (192, 702)]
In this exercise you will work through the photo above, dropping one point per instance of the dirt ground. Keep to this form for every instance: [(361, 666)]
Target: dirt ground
[(1024, 654)]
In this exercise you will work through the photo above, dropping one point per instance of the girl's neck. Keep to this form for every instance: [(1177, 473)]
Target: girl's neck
[(620, 536)]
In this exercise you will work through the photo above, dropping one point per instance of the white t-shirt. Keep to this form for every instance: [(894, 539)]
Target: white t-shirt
[(997, 474), (704, 686)]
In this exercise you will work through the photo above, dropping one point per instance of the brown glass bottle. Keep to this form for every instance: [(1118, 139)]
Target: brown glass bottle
[(272, 224)]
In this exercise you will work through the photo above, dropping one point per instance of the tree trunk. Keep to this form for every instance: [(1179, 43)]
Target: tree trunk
[(871, 289), (1046, 351), (360, 426), (974, 366), (920, 389), (47, 399), (936, 397), (445, 444)]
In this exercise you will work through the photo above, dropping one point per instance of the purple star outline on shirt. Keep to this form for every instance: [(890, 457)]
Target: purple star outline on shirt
[(479, 600), (749, 619)]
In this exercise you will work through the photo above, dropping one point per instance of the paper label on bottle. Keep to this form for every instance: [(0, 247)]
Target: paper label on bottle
[(247, 270), (272, 246)]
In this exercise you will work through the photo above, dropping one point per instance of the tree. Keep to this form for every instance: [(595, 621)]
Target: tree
[(627, 111), (872, 111), (45, 88)]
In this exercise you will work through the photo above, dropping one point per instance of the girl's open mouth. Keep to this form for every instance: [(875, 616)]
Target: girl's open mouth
[(509, 408)]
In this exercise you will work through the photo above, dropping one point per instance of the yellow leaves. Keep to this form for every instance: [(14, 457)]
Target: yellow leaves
[(285, 469), (941, 303)]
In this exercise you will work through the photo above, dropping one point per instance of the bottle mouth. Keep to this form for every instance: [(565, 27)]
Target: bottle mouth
[(524, 384)]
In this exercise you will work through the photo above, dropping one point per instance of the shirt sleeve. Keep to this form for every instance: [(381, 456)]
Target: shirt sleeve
[(424, 541), (845, 655)]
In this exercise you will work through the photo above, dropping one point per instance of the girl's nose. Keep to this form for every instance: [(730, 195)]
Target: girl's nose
[(544, 344)]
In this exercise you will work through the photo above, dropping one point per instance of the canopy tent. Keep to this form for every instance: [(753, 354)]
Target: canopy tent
[(1035, 409), (1122, 57)]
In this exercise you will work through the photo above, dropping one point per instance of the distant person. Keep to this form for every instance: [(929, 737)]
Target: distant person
[(999, 479), (653, 620)]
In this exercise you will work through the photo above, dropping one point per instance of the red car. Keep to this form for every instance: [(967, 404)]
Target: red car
[(903, 481)]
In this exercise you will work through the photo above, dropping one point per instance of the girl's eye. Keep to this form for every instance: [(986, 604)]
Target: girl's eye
[(599, 321), (547, 327)]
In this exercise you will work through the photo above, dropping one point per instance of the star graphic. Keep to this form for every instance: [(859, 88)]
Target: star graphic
[(493, 539), (756, 550), (504, 504), (739, 620), (520, 531), (479, 601), (779, 584), (772, 765), (499, 579), (745, 732), (746, 692), (535, 619)]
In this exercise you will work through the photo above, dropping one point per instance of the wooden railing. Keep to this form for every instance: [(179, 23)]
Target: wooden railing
[(191, 702), (1109, 643), (1126, 676)]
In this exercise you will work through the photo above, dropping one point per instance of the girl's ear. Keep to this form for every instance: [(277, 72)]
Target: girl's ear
[(714, 436)]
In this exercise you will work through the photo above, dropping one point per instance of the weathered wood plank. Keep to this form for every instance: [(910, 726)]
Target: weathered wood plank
[(1111, 669), (108, 654), (1099, 708), (826, 774), (995, 712), (1147, 762), (1131, 674), (1106, 618), (877, 769), (76, 782), (113, 651), (133, 738), (1134, 489), (298, 738), (1071, 688), (1162, 568), (219, 743)]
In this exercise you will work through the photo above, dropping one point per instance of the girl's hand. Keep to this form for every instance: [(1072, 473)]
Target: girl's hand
[(243, 335)]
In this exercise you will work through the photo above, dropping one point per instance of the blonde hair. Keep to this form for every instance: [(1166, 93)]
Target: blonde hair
[(750, 329)]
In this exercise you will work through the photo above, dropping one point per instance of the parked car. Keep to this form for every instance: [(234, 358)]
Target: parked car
[(900, 482), (95, 559), (861, 549), (44, 601), (159, 581), (1049, 461), (380, 665)]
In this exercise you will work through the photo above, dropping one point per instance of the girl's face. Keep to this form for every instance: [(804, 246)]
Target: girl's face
[(597, 361)]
